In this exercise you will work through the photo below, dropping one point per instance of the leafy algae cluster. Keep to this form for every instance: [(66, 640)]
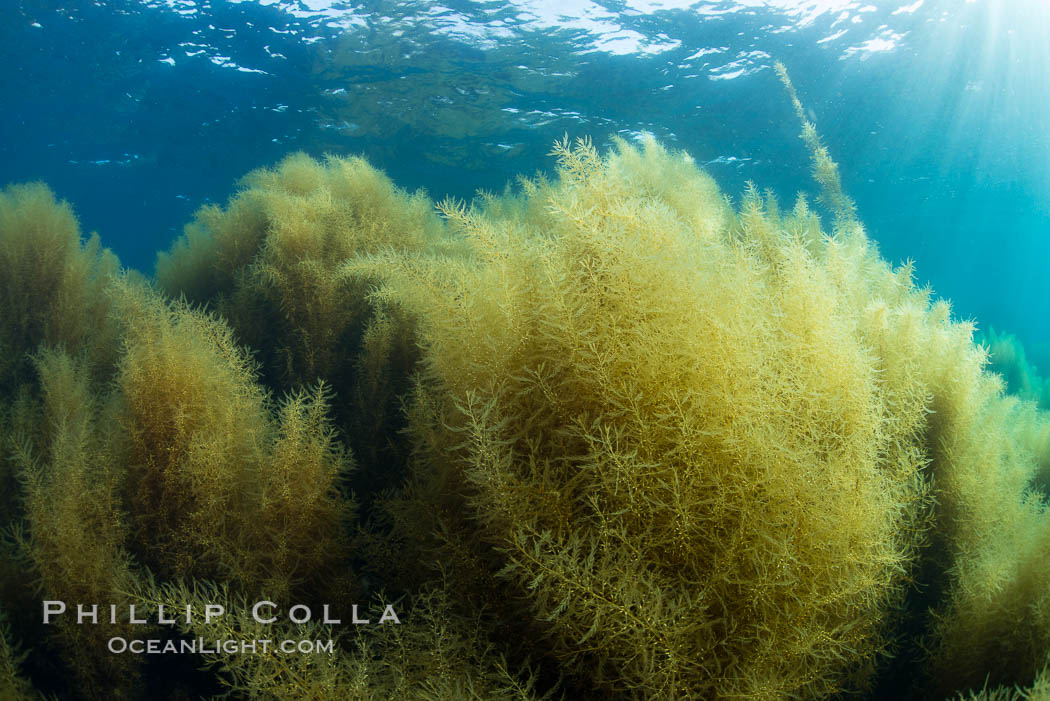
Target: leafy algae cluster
[(1008, 358), (606, 435)]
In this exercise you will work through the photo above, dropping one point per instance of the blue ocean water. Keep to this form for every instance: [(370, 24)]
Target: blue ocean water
[(140, 111)]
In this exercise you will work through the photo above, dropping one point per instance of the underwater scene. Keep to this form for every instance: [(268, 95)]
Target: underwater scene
[(541, 349)]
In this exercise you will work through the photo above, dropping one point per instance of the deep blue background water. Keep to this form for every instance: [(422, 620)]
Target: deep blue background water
[(138, 112)]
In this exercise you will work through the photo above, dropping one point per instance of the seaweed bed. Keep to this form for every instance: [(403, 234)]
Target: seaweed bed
[(607, 434)]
